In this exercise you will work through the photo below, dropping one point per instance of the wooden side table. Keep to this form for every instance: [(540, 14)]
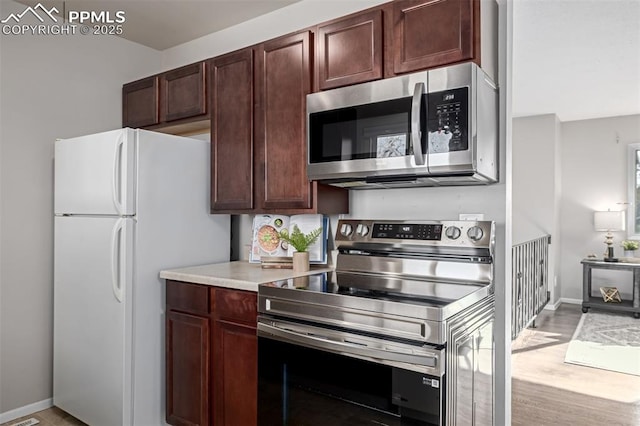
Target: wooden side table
[(589, 301)]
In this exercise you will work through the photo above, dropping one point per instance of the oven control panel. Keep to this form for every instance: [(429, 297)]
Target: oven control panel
[(409, 231), (432, 233)]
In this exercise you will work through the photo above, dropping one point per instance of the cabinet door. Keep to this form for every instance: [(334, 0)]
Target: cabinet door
[(430, 33), (284, 80), (231, 79), (350, 50), (235, 374), (235, 357), (184, 92), (187, 368), (140, 105)]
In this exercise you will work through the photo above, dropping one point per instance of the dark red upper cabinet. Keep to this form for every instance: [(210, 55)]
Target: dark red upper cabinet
[(283, 81), (231, 79), (350, 50), (140, 103), (183, 92), (431, 33)]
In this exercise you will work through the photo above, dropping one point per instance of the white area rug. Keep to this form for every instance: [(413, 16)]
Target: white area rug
[(609, 341)]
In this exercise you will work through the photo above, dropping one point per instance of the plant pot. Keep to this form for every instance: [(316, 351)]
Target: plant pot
[(301, 261), (629, 253)]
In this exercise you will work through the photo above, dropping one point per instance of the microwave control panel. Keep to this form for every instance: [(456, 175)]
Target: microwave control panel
[(447, 120)]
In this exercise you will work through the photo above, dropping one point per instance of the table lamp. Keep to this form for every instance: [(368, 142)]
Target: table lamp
[(609, 221)]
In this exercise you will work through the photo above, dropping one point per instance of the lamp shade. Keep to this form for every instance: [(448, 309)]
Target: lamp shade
[(608, 221)]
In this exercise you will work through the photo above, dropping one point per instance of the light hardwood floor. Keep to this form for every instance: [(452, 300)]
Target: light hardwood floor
[(50, 417), (548, 392)]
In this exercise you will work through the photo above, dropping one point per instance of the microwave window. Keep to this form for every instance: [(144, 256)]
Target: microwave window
[(376, 130)]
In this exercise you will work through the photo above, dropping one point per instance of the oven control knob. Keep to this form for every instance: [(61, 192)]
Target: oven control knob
[(475, 233), (362, 230), (346, 229), (453, 232)]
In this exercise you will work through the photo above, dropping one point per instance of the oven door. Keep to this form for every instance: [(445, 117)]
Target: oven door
[(316, 376)]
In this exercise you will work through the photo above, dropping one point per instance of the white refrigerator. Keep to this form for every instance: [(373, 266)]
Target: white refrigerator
[(128, 203)]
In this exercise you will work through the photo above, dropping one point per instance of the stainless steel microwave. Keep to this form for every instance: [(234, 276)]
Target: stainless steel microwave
[(436, 127)]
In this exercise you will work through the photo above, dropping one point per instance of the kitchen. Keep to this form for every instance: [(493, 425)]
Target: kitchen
[(27, 161)]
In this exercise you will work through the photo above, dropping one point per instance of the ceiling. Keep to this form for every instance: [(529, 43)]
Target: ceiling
[(578, 59)]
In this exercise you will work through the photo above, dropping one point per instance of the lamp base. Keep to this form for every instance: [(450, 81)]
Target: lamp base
[(608, 254)]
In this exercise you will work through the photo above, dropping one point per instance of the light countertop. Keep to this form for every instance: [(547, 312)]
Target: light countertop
[(239, 275)]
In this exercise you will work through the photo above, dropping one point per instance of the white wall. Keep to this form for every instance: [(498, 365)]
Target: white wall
[(534, 180), (537, 186), (594, 177), (568, 61), (563, 172), (50, 87)]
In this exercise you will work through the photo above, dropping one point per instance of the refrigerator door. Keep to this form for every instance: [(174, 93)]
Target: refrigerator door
[(92, 318), (95, 174)]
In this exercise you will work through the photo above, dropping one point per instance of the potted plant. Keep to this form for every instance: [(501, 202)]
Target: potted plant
[(629, 246), (300, 242)]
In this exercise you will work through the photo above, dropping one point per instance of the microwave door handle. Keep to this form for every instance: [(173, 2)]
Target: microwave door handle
[(416, 134)]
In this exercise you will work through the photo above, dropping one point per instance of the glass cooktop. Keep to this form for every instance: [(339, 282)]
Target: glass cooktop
[(383, 288)]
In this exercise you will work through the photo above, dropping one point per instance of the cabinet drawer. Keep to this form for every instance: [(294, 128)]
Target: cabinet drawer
[(188, 297), (236, 306)]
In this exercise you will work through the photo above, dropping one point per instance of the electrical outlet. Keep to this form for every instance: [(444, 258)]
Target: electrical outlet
[(29, 422), (471, 216)]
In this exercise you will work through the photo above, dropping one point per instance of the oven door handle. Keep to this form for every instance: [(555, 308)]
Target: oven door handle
[(416, 134), (328, 344)]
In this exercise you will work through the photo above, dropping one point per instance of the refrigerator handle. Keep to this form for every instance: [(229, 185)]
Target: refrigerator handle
[(116, 180), (116, 238), (416, 135)]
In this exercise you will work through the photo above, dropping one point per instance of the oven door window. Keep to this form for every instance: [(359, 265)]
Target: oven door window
[(301, 386), (376, 130)]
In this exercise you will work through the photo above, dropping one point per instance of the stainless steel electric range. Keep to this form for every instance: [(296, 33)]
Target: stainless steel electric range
[(401, 333)]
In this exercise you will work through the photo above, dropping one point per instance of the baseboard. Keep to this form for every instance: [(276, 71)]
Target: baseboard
[(553, 307), (26, 410), (571, 301)]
